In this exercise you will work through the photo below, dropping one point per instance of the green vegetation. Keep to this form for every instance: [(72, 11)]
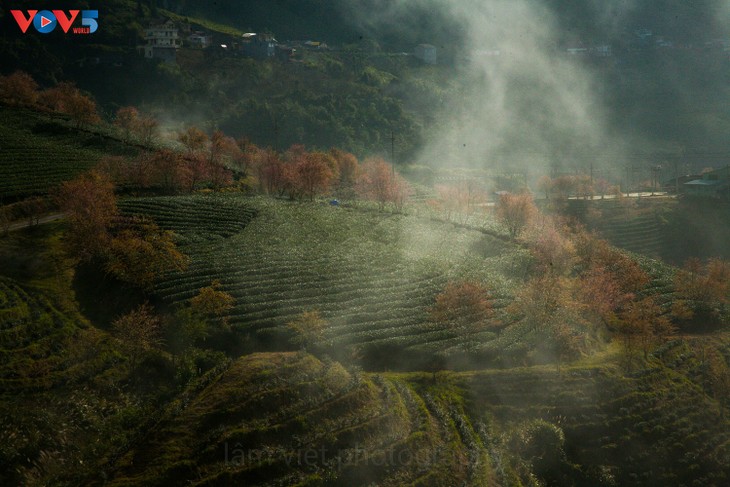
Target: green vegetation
[(40, 151), (442, 340), (296, 420), (369, 281), (64, 384), (650, 427), (371, 275)]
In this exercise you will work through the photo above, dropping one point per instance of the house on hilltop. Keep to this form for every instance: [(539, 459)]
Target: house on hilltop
[(162, 42), (713, 184), (258, 46)]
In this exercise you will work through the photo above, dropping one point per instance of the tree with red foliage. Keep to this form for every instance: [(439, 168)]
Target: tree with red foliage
[(704, 289), (212, 303), (248, 156), (516, 211), (115, 167), (222, 149), (347, 168), (548, 306), (139, 331), (126, 120), (450, 200), (138, 172), (19, 88), (545, 301), (131, 122), (141, 252), (295, 152), (146, 129), (563, 186), (312, 175), (169, 170), (66, 98), (593, 252), (271, 173), (644, 325), (603, 187), (548, 237), (193, 139), (379, 182), (309, 329), (584, 186), (90, 206), (545, 184), (220, 176), (197, 170), (604, 294), (376, 181), (464, 307)]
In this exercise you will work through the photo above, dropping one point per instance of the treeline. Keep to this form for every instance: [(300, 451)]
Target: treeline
[(20, 89), (578, 285), (219, 161), (193, 159), (575, 290)]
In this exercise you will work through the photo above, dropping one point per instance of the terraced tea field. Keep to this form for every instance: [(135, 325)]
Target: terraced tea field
[(651, 427), (35, 341), (371, 275), (291, 419), (37, 152), (56, 388)]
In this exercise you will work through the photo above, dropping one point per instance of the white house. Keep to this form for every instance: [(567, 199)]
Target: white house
[(162, 42)]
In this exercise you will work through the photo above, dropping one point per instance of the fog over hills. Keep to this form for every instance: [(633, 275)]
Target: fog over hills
[(527, 85)]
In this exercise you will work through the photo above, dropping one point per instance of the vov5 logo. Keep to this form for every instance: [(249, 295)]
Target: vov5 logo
[(46, 21)]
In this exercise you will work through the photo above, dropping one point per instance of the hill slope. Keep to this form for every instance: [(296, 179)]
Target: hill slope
[(275, 419), (371, 275), (39, 151)]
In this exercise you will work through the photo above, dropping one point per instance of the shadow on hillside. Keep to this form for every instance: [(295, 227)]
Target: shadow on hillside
[(101, 298)]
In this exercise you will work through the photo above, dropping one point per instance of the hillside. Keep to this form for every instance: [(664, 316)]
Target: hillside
[(592, 425), (39, 151), (67, 397), (661, 104), (273, 419), (267, 418), (245, 293), (373, 276)]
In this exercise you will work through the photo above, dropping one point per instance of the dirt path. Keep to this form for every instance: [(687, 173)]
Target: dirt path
[(44, 219)]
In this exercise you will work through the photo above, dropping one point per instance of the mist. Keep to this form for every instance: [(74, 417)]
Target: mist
[(526, 105), (523, 105)]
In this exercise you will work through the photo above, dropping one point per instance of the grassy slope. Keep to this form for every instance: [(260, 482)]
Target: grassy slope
[(372, 275), (652, 426)]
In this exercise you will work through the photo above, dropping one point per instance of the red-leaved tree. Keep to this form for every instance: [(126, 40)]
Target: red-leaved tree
[(379, 182), (464, 307), (516, 211), (90, 206), (312, 175), (18, 88)]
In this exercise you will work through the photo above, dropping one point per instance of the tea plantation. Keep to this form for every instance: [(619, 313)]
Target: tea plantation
[(371, 275), (39, 151)]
